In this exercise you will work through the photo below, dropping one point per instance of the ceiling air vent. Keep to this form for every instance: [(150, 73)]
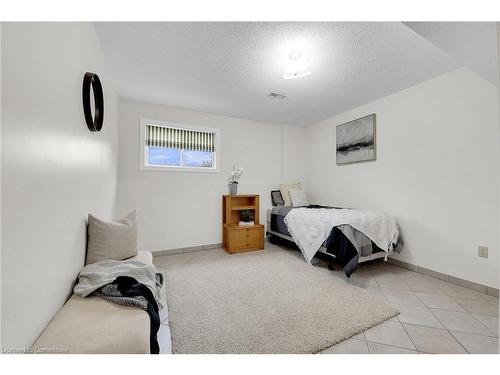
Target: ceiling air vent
[(274, 95)]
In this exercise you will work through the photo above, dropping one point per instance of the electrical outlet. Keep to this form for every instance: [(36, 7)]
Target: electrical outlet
[(482, 251)]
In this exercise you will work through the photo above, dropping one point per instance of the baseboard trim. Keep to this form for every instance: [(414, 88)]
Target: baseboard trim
[(445, 277), (182, 250)]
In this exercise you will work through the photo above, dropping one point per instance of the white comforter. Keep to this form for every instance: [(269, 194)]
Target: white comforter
[(309, 228)]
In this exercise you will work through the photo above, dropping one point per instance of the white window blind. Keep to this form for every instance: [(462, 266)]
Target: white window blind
[(185, 139)]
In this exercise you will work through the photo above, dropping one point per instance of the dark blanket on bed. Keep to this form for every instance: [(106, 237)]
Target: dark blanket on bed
[(344, 251), (336, 244)]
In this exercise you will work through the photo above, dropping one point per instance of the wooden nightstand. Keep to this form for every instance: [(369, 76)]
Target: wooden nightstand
[(236, 238)]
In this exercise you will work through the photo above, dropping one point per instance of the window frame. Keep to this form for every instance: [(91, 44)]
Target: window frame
[(172, 168)]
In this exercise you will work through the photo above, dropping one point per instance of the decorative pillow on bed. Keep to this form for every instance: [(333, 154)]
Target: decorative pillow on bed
[(286, 195), (116, 240), (298, 197), (277, 198)]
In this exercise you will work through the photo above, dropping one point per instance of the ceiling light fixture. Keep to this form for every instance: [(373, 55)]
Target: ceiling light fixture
[(296, 66)]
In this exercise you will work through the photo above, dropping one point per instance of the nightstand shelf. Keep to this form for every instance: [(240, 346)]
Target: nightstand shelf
[(236, 238), (240, 208)]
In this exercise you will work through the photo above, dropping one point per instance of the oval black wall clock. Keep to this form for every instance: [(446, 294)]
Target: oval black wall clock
[(92, 82)]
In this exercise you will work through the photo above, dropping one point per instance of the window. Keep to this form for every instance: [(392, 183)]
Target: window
[(171, 146)]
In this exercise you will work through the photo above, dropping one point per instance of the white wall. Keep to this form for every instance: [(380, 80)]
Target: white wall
[(436, 171), (294, 150), (55, 171), (183, 209), (1, 300), (498, 175)]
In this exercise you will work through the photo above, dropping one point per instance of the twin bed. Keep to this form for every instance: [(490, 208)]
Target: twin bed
[(346, 235)]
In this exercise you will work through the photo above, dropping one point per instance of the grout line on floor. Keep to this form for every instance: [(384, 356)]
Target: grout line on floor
[(441, 309), (439, 320), (484, 325), (473, 300), (415, 346), (393, 346), (466, 312), (470, 333), (421, 325), (355, 338)]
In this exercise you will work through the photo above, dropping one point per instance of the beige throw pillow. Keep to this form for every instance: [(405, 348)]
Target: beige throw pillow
[(298, 198), (286, 195), (115, 240)]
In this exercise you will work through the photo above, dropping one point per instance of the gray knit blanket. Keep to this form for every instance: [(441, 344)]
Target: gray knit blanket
[(96, 277)]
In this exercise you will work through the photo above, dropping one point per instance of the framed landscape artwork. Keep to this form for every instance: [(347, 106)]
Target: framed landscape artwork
[(356, 140)]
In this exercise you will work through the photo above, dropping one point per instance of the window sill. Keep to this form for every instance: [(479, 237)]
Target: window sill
[(179, 169)]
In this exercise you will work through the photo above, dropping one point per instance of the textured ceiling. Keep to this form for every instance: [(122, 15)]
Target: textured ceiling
[(229, 68), (472, 43)]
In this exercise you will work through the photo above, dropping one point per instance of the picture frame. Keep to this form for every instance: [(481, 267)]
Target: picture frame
[(356, 140)]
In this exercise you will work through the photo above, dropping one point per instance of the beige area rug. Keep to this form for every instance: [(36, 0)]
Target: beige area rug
[(268, 301)]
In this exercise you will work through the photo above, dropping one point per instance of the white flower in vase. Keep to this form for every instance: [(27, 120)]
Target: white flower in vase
[(236, 174), (233, 180)]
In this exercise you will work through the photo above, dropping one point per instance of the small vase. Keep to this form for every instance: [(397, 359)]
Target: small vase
[(233, 189)]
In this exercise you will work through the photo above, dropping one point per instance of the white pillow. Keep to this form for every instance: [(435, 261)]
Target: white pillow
[(298, 197), (285, 194), (115, 240)]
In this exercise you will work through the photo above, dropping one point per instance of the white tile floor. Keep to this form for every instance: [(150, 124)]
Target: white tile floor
[(436, 316)]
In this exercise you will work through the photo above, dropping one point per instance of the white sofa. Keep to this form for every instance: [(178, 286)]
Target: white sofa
[(94, 325)]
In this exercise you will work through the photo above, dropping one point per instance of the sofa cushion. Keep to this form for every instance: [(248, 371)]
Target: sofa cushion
[(115, 240), (94, 325)]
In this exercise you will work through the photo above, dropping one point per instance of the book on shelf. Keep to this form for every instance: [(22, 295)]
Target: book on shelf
[(247, 223)]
